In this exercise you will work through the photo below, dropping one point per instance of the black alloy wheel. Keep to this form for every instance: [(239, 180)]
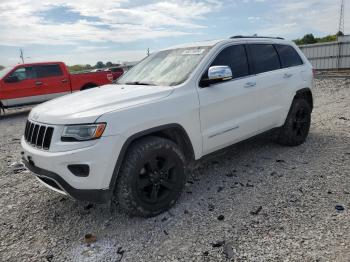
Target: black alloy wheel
[(152, 177)]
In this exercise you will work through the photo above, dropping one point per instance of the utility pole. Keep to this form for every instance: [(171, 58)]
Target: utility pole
[(21, 55), (341, 29), (341, 18)]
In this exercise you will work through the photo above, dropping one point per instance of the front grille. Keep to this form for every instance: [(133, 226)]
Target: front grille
[(38, 135)]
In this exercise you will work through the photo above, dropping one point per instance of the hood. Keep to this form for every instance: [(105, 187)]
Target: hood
[(87, 106)]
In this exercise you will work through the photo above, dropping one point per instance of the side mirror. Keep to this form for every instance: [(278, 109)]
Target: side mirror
[(221, 73), (217, 74), (11, 79)]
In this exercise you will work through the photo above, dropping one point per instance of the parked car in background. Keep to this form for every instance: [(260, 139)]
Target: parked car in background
[(34, 83), (116, 72), (133, 141)]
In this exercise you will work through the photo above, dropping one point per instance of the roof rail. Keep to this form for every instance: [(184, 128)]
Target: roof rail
[(268, 37)]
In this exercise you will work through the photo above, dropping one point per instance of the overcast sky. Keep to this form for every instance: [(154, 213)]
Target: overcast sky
[(86, 31)]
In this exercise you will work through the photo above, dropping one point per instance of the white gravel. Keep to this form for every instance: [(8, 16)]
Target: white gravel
[(278, 203)]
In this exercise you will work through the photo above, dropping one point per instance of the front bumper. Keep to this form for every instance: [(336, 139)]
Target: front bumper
[(57, 183), (51, 168)]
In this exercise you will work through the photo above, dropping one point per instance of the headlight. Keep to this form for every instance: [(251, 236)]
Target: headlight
[(83, 132)]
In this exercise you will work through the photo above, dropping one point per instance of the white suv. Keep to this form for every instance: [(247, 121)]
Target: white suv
[(133, 140)]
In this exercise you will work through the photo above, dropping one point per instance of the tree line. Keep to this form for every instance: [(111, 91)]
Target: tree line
[(311, 39), (88, 67)]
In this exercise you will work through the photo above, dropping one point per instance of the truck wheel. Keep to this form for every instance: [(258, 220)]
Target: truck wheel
[(151, 178), (296, 128)]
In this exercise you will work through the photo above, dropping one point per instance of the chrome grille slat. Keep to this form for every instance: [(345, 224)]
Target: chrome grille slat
[(31, 126), (42, 144), (38, 135), (35, 134)]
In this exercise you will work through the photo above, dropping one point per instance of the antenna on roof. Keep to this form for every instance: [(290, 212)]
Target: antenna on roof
[(21, 55)]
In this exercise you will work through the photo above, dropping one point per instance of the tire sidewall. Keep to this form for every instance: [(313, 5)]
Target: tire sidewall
[(287, 129)]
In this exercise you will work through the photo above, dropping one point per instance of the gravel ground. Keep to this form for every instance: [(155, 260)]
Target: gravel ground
[(256, 201)]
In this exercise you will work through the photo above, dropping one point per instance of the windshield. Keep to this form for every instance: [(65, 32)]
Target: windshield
[(167, 68), (4, 71)]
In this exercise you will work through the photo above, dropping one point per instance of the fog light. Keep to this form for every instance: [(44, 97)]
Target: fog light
[(79, 170)]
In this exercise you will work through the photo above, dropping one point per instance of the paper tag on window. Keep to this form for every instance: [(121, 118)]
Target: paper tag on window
[(193, 52)]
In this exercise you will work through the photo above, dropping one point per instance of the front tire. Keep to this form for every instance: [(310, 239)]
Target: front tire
[(151, 178), (296, 128)]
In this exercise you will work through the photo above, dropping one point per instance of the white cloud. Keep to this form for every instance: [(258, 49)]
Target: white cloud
[(21, 25)]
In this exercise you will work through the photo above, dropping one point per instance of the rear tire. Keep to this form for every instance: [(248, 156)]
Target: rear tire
[(151, 178), (296, 128)]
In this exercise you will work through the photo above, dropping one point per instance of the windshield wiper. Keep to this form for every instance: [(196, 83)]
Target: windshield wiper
[(139, 83)]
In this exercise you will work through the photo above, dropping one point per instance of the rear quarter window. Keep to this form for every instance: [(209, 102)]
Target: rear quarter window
[(289, 56), (265, 58)]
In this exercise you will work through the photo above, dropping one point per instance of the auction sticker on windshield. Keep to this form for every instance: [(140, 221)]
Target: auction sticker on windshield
[(193, 52)]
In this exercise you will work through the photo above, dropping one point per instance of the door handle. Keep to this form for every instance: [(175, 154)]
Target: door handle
[(64, 80), (286, 75), (38, 83), (250, 84)]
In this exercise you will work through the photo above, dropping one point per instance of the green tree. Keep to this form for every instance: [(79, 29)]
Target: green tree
[(99, 64), (109, 64), (340, 33), (1, 67), (309, 39)]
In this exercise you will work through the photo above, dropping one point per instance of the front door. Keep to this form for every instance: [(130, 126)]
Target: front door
[(229, 110), (23, 89)]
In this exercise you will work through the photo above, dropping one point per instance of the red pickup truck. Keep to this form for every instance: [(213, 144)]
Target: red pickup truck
[(34, 83)]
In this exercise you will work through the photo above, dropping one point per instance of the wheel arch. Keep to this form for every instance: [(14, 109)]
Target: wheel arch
[(173, 132), (88, 85)]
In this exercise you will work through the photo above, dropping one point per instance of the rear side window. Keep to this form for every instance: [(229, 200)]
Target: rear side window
[(235, 57), (265, 58), (48, 70), (288, 55)]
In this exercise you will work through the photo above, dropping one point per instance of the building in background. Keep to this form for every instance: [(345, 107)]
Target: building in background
[(329, 56)]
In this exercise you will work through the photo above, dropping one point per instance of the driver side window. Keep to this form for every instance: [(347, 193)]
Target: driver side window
[(24, 73), (236, 58)]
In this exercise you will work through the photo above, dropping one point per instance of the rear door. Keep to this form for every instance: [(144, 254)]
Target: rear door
[(292, 72), (25, 90), (229, 110), (52, 80), (270, 84)]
